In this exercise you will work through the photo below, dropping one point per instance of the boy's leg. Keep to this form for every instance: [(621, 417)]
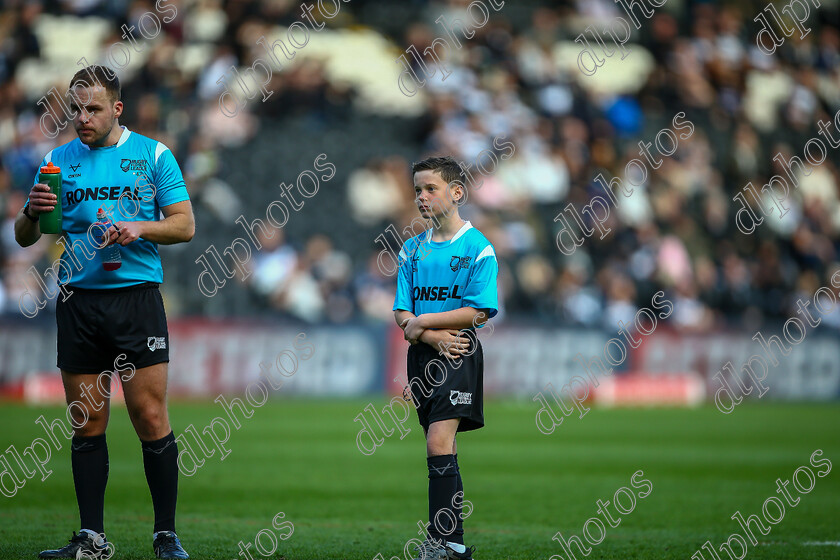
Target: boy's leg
[(458, 535), (443, 478)]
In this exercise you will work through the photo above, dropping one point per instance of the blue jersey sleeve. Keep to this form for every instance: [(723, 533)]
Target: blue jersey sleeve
[(480, 292), (168, 181), (404, 282)]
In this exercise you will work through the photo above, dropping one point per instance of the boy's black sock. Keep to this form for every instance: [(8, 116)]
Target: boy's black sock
[(89, 458), (160, 461), (458, 535), (443, 483)]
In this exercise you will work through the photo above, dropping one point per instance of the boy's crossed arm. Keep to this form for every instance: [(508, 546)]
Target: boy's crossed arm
[(441, 330)]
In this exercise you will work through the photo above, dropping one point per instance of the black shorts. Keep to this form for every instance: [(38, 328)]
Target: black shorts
[(96, 326), (445, 389)]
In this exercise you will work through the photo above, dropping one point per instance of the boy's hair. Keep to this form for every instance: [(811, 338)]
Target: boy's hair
[(447, 167), (96, 75)]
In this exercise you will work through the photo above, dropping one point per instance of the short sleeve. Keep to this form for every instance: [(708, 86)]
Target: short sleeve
[(404, 282), (168, 181), (481, 287)]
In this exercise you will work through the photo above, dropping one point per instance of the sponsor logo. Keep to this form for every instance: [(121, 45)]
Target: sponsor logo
[(435, 293), (101, 193), (156, 343), (133, 165), (459, 262), (74, 168), (457, 397)]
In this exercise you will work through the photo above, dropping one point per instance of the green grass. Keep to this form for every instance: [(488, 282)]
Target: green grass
[(300, 457)]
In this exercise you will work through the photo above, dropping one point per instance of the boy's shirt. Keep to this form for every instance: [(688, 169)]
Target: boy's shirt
[(142, 168), (442, 276)]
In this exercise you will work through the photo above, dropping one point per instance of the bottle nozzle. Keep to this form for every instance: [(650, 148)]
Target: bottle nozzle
[(50, 168)]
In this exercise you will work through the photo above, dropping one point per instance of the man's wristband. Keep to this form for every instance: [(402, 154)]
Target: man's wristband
[(33, 219)]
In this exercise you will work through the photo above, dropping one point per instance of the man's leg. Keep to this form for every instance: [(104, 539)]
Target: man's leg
[(145, 398), (443, 478), (89, 450)]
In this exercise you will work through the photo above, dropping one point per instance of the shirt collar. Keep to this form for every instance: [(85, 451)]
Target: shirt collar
[(467, 225), (123, 137)]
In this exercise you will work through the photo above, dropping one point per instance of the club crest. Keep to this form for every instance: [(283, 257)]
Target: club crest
[(459, 262)]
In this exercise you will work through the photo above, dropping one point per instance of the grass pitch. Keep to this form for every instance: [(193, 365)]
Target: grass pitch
[(300, 458)]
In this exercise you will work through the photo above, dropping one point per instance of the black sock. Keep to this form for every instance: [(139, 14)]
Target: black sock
[(160, 461), (89, 457), (458, 535), (443, 482)]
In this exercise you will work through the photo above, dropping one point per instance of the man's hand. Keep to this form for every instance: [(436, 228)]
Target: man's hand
[(129, 232), (450, 343), (41, 199)]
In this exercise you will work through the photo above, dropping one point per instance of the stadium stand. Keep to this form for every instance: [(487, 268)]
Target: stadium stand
[(517, 78)]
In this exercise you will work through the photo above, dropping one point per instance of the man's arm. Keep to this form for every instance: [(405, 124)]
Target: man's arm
[(27, 232), (41, 200), (177, 226)]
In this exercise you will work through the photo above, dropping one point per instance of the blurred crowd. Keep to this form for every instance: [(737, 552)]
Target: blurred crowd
[(516, 79)]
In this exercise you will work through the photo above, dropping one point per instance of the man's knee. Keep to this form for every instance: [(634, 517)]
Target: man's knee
[(86, 422), (150, 420)]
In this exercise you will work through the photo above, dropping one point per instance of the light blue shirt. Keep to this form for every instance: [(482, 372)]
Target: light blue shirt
[(442, 276), (131, 181)]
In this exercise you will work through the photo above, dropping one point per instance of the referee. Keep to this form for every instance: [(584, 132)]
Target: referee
[(445, 289), (113, 314)]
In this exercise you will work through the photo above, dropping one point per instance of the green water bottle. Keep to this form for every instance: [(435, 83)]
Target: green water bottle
[(51, 176)]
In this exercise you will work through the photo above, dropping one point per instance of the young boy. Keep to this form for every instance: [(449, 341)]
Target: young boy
[(446, 287)]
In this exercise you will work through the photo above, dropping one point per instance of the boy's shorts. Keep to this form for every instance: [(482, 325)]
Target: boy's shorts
[(445, 389)]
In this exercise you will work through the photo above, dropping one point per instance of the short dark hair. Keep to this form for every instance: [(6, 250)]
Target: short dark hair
[(447, 167), (96, 75)]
